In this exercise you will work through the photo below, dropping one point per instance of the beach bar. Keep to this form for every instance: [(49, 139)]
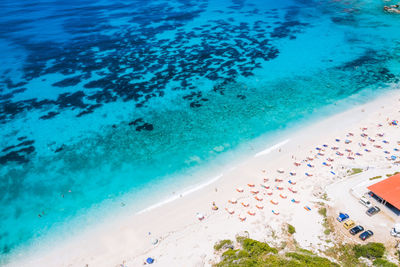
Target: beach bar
[(388, 192)]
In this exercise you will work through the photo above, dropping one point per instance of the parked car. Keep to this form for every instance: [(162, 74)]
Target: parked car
[(355, 230), (349, 224), (373, 211), (395, 230), (342, 217), (365, 202), (365, 235)]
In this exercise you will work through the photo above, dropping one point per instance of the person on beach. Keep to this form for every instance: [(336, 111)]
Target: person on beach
[(214, 207)]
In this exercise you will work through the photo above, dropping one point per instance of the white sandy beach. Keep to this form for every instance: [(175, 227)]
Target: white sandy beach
[(183, 240)]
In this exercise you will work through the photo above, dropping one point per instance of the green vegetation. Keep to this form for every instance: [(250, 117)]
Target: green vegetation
[(355, 171), (327, 231), (325, 197), (253, 253), (388, 175), (310, 259), (344, 254), (254, 247), (370, 250), (376, 177), (260, 254), (222, 244), (322, 212), (383, 263), (348, 254), (291, 229)]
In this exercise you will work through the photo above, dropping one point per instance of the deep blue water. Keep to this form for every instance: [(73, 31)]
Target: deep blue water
[(106, 101)]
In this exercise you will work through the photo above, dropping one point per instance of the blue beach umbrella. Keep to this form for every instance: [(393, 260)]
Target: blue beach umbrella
[(149, 260)]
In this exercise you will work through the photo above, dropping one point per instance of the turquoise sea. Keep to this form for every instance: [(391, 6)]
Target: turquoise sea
[(108, 106)]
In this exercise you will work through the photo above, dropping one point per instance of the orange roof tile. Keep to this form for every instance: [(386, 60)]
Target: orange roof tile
[(388, 189)]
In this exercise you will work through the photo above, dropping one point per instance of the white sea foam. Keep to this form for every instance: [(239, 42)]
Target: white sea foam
[(179, 195), (272, 148)]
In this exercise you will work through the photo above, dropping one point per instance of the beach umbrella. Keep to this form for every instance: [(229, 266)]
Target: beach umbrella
[(154, 241), (393, 157), (280, 171), (149, 260)]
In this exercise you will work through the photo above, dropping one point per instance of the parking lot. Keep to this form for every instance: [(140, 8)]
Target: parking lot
[(344, 197)]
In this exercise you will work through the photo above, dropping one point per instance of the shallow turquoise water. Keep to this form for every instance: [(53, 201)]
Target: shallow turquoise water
[(103, 102)]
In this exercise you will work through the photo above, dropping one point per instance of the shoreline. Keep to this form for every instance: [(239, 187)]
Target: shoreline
[(199, 197)]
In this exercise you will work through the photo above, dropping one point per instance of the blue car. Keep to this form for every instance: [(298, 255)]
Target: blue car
[(365, 235), (342, 217)]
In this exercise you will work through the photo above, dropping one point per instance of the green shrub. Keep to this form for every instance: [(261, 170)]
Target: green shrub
[(370, 250), (344, 253), (355, 171), (322, 211), (310, 260), (388, 175), (383, 263), (243, 254), (260, 254), (222, 243), (291, 229), (327, 231), (376, 177), (230, 254), (305, 251), (255, 248)]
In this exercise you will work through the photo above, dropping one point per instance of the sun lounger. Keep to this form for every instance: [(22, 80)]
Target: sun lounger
[(258, 198), (230, 211), (245, 204), (242, 217), (251, 212), (292, 190)]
